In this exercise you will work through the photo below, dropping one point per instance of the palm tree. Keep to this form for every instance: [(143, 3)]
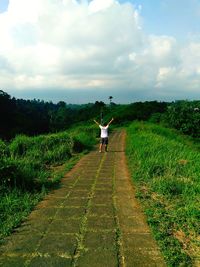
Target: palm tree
[(110, 98)]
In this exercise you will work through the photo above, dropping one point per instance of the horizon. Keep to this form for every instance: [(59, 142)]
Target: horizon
[(133, 50), (105, 101)]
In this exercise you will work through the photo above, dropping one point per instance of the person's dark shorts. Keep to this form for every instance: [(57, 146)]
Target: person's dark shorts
[(104, 141)]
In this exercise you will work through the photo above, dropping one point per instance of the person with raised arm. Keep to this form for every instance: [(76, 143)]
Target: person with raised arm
[(104, 135)]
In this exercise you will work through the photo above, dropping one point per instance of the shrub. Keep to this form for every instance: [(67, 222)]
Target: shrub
[(184, 116), (3, 149), (8, 171), (82, 141), (20, 145)]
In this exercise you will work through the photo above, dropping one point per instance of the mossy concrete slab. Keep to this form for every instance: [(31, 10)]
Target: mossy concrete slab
[(102, 194), (22, 243), (62, 192), (101, 210), (101, 223), (139, 241), (128, 210), (139, 259), (104, 187), (56, 202), (43, 213), (98, 258), (100, 240), (85, 182), (109, 170), (133, 224), (101, 199), (106, 175), (75, 201), (52, 261), (127, 199), (78, 193), (104, 182), (14, 261), (68, 183), (58, 244), (40, 225), (82, 187), (65, 226), (67, 212), (107, 204), (55, 197), (125, 192)]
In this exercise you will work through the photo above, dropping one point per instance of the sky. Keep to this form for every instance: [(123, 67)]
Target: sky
[(80, 51)]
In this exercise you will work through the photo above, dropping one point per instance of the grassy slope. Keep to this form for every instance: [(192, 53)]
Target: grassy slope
[(26, 172), (166, 171)]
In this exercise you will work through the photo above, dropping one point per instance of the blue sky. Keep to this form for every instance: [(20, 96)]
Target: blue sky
[(132, 49), (3, 5), (179, 18)]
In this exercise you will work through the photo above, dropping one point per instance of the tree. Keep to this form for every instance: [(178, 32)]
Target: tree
[(110, 98)]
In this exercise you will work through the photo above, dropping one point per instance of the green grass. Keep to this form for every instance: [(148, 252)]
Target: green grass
[(28, 170), (15, 205), (165, 167)]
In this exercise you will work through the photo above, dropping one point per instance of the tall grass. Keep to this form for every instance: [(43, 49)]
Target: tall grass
[(26, 168), (166, 171)]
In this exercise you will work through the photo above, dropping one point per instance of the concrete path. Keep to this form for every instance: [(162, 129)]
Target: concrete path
[(93, 220)]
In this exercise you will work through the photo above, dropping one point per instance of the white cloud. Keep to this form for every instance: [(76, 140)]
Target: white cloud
[(190, 57), (164, 74), (89, 44), (99, 5)]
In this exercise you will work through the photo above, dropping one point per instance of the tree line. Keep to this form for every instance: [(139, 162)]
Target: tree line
[(34, 117)]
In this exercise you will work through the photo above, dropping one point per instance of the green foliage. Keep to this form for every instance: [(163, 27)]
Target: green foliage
[(165, 168), (34, 117), (84, 137), (25, 161), (156, 118), (15, 205), (184, 116), (82, 141), (39, 146), (3, 149), (8, 170), (140, 111)]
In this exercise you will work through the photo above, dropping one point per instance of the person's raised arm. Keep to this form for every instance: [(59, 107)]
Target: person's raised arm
[(110, 121), (96, 122)]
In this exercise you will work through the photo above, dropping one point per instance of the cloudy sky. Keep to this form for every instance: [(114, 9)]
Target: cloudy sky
[(83, 51)]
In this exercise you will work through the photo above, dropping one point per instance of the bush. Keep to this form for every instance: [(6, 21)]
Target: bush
[(25, 161), (184, 116), (20, 145), (4, 151), (156, 118), (82, 141), (8, 171)]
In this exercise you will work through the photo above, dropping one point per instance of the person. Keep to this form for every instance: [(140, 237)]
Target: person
[(104, 135)]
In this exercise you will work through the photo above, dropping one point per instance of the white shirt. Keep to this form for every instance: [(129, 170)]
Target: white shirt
[(104, 131)]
